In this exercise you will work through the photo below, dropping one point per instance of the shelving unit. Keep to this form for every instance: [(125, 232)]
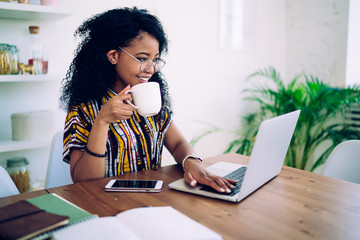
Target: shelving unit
[(33, 12), (9, 146), (31, 93), (25, 12), (29, 78)]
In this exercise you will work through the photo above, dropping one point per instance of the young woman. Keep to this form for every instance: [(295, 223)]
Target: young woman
[(104, 136)]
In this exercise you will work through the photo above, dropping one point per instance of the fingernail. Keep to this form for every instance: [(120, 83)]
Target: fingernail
[(228, 190), (193, 183), (232, 186), (222, 190)]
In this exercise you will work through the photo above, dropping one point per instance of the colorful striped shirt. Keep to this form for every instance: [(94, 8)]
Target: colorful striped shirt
[(134, 144)]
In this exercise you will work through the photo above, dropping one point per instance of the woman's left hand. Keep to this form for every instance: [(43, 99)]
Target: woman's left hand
[(195, 173)]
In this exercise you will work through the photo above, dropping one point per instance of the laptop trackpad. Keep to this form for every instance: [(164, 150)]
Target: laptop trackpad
[(223, 168)]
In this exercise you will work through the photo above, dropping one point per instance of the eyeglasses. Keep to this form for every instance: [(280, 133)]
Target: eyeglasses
[(146, 63)]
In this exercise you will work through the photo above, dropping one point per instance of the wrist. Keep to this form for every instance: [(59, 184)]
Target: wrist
[(100, 123), (102, 118), (190, 156), (95, 154)]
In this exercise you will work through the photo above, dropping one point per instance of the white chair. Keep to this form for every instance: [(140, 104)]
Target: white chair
[(58, 171), (7, 186), (344, 162)]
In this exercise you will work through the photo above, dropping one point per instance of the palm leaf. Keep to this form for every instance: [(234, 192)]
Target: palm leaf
[(319, 104)]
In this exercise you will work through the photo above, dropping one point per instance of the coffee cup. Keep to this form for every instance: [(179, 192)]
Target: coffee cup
[(146, 98)]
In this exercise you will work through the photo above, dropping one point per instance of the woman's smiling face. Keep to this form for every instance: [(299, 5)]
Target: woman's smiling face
[(128, 69)]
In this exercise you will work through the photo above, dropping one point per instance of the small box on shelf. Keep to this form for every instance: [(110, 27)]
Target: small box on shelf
[(32, 125)]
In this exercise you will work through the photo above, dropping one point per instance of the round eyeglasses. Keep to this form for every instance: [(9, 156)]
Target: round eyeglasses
[(146, 63)]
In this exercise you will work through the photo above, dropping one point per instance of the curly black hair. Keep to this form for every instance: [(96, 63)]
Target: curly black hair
[(91, 74)]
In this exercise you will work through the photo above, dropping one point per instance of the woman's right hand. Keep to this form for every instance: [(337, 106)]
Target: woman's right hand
[(116, 108)]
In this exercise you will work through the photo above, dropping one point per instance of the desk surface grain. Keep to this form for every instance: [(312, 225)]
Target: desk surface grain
[(294, 205)]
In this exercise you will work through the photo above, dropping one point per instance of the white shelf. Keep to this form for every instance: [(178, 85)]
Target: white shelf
[(9, 146), (31, 12), (30, 78)]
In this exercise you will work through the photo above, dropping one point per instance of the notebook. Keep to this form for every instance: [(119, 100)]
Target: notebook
[(23, 220), (55, 204), (150, 223), (267, 157)]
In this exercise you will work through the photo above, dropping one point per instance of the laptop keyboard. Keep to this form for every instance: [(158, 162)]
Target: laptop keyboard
[(238, 175)]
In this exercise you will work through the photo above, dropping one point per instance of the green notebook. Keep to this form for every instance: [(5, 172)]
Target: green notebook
[(53, 203)]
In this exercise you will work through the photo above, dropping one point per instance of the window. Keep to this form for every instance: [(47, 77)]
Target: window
[(237, 24)]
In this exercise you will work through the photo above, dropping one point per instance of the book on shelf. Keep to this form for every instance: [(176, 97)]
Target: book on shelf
[(23, 220), (139, 223)]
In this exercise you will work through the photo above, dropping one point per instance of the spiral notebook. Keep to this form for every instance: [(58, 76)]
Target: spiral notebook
[(55, 204)]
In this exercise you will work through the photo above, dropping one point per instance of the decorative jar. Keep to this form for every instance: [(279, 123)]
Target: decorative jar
[(18, 170)]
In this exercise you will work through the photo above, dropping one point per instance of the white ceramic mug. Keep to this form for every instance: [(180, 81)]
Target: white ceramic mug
[(147, 98)]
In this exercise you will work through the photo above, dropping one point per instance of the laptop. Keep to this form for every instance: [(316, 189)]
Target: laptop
[(267, 157)]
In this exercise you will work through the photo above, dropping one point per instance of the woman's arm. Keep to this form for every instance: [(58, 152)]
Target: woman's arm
[(193, 171), (84, 166)]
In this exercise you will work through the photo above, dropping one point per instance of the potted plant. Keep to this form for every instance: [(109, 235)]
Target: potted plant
[(319, 123)]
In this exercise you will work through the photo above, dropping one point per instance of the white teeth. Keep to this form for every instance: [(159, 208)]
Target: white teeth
[(144, 79)]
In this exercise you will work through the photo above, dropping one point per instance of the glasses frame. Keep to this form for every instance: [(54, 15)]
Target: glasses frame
[(153, 64)]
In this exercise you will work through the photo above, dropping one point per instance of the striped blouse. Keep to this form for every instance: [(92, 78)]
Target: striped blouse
[(134, 144)]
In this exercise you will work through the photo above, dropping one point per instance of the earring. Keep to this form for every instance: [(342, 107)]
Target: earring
[(112, 60)]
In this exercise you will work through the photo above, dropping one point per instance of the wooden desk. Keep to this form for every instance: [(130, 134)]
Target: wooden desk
[(295, 205)]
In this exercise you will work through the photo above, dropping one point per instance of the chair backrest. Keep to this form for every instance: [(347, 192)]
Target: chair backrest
[(7, 186), (58, 171), (344, 162)]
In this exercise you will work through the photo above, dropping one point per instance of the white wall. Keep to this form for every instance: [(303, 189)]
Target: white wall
[(353, 49), (205, 81), (317, 39)]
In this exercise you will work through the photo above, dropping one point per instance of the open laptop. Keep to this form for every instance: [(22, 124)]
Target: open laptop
[(267, 157)]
